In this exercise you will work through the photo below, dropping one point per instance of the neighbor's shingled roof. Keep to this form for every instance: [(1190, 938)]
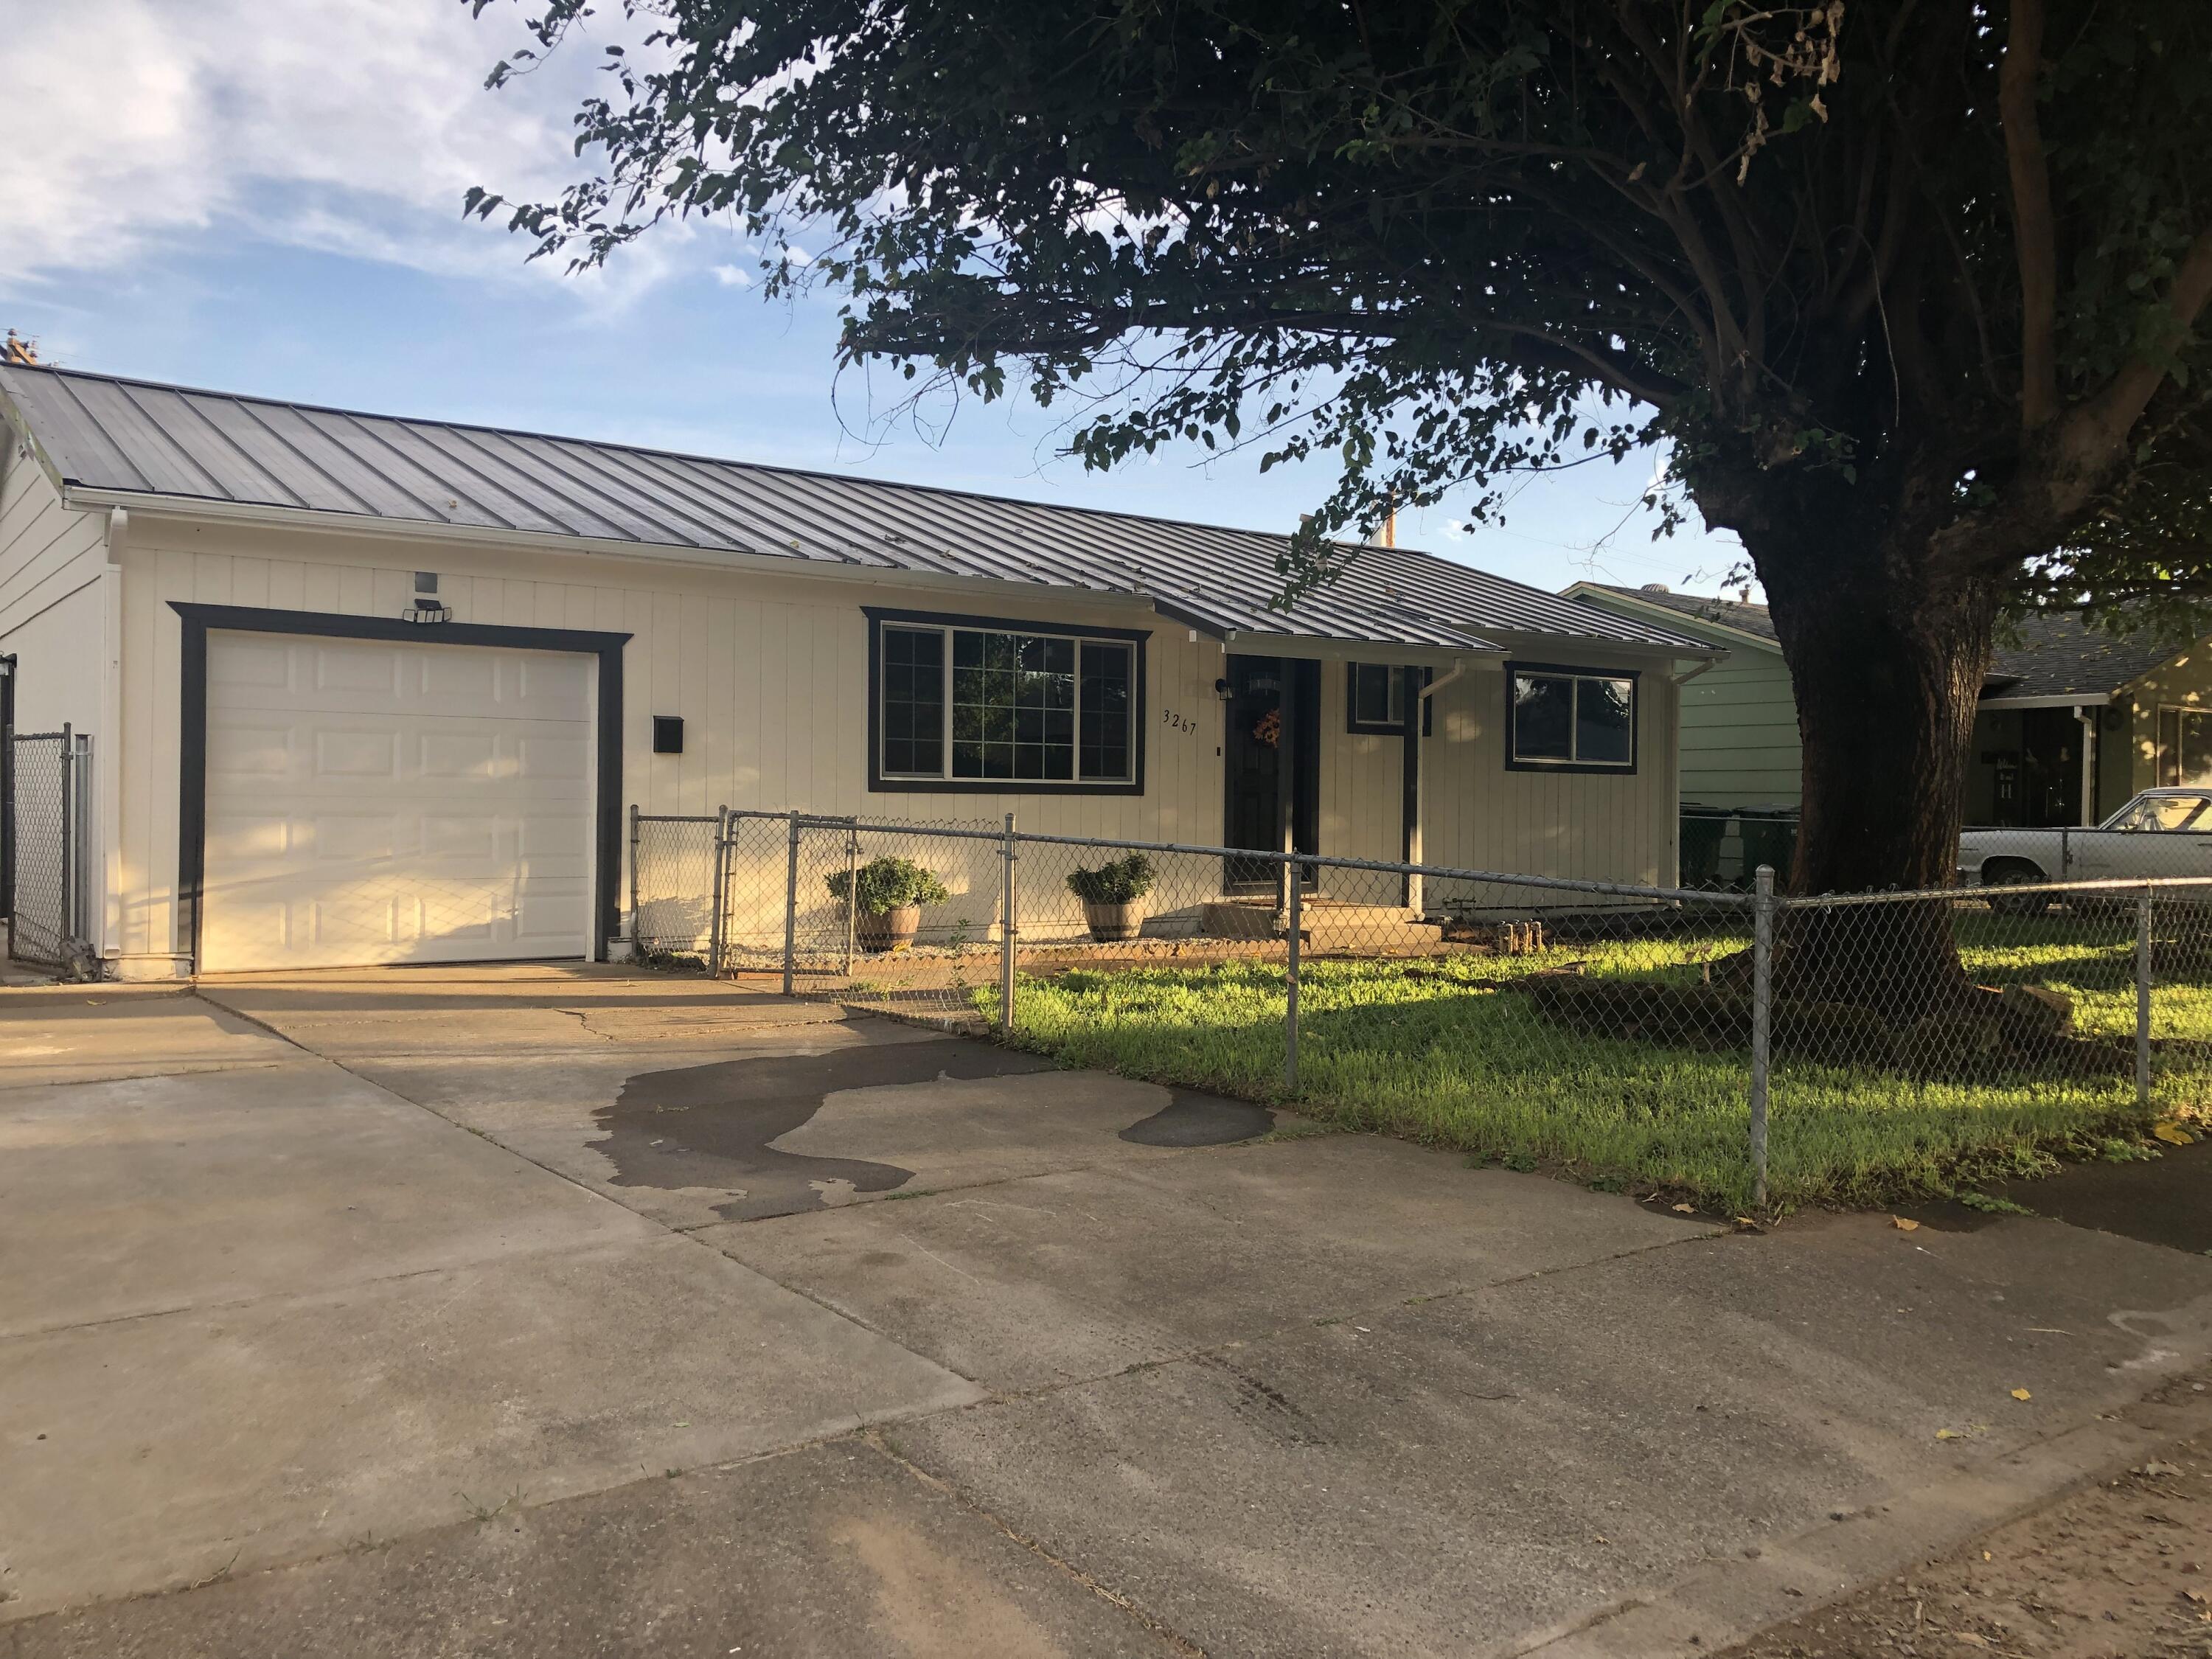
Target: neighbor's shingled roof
[(1745, 618), (135, 437), (2054, 654)]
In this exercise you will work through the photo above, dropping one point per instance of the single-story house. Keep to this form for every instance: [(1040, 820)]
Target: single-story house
[(364, 689), (2073, 722)]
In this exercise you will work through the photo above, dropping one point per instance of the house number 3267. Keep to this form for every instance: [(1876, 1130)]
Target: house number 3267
[(1180, 722)]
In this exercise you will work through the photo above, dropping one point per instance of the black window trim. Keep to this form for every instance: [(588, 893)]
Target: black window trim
[(878, 784), (1605, 768)]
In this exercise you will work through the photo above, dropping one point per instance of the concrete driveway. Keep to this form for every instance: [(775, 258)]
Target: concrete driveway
[(542, 1311)]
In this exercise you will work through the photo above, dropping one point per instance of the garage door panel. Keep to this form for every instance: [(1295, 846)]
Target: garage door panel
[(248, 751), (342, 751), (389, 802)]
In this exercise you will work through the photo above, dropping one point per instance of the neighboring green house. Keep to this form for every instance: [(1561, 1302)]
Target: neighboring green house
[(2074, 722)]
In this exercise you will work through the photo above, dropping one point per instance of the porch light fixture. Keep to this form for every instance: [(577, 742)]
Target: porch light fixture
[(426, 609)]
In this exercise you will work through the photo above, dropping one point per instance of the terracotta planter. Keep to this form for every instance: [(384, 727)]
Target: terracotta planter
[(892, 930), (1110, 924)]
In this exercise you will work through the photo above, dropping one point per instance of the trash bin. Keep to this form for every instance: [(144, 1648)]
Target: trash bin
[(1769, 836), (1704, 829)]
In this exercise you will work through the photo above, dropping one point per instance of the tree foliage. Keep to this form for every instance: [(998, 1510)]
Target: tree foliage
[(1910, 289), (1449, 241)]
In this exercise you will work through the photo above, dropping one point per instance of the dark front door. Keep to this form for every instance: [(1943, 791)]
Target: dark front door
[(1267, 737)]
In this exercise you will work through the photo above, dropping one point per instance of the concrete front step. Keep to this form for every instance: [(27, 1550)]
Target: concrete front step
[(1328, 924)]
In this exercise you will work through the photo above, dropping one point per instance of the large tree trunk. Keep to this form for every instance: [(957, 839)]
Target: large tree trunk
[(1887, 653)]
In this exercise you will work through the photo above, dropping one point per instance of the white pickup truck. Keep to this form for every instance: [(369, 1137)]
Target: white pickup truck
[(2160, 833)]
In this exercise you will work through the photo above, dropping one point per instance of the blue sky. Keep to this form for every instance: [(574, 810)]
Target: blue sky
[(266, 199)]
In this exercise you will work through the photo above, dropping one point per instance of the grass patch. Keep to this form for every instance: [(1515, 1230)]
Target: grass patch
[(1433, 1049)]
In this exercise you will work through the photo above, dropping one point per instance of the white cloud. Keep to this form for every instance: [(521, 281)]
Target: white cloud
[(732, 277), (350, 126)]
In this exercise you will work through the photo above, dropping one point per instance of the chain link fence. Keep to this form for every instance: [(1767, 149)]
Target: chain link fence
[(1739, 1044), (49, 822)]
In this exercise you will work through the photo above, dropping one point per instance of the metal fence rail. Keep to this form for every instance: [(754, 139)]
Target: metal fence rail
[(49, 819), (1681, 1017)]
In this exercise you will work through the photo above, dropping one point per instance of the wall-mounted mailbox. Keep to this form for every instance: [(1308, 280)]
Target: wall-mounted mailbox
[(667, 734)]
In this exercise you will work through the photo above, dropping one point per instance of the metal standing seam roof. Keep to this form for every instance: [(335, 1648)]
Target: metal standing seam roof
[(105, 433)]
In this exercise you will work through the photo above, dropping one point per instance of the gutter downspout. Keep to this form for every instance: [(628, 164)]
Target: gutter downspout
[(108, 757), (1443, 680)]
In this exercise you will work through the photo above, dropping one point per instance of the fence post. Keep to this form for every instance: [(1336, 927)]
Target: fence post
[(791, 908), (69, 842), (1009, 932), (2142, 998), (852, 889), (1295, 916), (715, 931), (636, 937), (1762, 1017)]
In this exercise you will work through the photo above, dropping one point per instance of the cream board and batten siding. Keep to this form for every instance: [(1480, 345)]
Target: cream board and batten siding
[(769, 673), (1362, 795), (1478, 814)]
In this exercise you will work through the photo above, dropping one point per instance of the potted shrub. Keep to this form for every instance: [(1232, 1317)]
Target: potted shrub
[(1113, 896), (886, 896)]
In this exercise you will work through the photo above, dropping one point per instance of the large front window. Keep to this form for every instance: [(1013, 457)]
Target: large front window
[(1565, 718), (962, 704)]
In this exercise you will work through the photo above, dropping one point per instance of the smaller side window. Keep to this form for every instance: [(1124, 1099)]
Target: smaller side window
[(1376, 697)]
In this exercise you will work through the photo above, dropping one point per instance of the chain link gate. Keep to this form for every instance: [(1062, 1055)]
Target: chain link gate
[(49, 820)]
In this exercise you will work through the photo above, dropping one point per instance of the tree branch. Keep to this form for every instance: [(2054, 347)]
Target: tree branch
[(2035, 243), (2099, 429)]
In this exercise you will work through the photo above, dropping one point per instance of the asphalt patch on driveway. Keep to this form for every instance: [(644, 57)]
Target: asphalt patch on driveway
[(1192, 1119), (2165, 1199), (713, 1124)]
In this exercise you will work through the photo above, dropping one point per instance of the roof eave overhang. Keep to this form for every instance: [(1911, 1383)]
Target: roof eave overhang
[(316, 520), (1593, 593), (2056, 700), (313, 520), (1522, 642), (1331, 648)]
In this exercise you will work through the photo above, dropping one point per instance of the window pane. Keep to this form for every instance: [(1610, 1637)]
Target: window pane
[(2196, 751), (1109, 673), (913, 713), (1543, 717), (1377, 696), (1012, 697), (2173, 812), (1604, 729)]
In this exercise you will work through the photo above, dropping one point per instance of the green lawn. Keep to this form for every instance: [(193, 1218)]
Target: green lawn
[(1433, 1050)]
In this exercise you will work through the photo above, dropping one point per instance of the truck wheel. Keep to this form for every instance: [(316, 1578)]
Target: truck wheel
[(2015, 873)]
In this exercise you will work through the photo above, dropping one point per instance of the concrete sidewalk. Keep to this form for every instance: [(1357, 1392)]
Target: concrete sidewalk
[(539, 1311)]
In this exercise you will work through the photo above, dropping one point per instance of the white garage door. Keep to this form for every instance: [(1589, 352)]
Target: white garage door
[(371, 802)]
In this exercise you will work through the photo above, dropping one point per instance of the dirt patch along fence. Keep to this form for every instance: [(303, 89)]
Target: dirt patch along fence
[(1741, 1047)]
